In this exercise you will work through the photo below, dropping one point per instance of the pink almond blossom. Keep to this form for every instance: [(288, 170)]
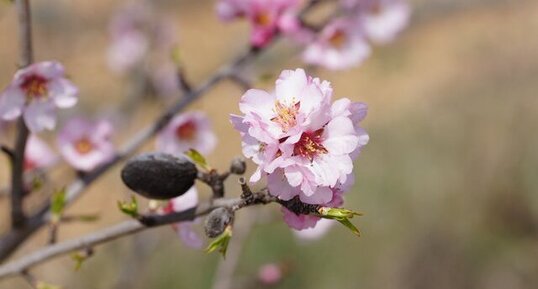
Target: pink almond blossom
[(340, 45), (35, 93), (190, 130), (38, 155), (85, 144), (185, 230), (381, 20), (302, 144), (267, 17), (270, 274)]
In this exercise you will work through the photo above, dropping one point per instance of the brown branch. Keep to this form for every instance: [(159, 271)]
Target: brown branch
[(120, 230), (17, 178)]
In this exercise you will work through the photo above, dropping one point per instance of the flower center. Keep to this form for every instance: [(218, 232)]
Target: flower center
[(263, 18), (29, 165), (286, 116), (35, 87), (309, 145), (83, 146), (337, 39), (186, 131)]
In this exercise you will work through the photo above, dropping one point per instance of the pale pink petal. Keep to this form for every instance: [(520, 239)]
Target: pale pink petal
[(11, 103), (64, 92), (40, 115)]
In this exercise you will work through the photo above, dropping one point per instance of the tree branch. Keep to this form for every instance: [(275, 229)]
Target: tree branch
[(123, 229), (17, 170)]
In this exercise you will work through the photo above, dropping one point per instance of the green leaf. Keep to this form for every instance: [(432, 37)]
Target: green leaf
[(57, 205), (176, 55), (337, 213), (43, 285), (350, 226), (221, 242), (342, 216), (198, 159), (37, 183), (129, 208), (79, 259)]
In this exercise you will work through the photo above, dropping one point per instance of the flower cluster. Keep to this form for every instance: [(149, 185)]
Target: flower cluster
[(302, 143), (267, 17), (341, 43), (35, 93), (344, 41)]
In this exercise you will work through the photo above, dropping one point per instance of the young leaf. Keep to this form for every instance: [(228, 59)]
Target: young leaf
[(43, 285), (342, 216), (221, 242), (338, 212), (129, 208), (350, 226), (57, 205), (198, 159), (79, 259)]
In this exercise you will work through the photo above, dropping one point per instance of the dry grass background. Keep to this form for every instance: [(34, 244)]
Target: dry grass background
[(448, 183)]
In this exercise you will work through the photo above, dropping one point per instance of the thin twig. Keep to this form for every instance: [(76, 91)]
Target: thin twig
[(120, 230), (17, 170)]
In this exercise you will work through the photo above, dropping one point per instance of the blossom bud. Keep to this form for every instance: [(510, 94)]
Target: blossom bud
[(238, 166), (158, 175), (217, 221)]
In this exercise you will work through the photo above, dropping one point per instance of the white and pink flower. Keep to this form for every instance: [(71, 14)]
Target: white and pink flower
[(85, 144), (38, 155), (190, 130), (340, 45), (267, 17), (134, 31), (381, 20), (302, 144), (35, 93), (184, 230)]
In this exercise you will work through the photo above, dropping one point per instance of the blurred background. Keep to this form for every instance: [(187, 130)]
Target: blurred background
[(448, 182)]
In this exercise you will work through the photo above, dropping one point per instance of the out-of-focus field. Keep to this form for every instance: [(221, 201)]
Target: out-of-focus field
[(448, 182)]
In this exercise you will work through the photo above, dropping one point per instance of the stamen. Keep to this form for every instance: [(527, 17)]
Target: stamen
[(186, 131), (35, 87), (309, 145), (83, 146)]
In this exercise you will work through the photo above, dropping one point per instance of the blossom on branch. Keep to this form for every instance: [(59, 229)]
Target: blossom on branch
[(184, 230), (302, 143), (35, 93), (339, 45), (38, 154), (190, 130), (266, 17), (85, 144)]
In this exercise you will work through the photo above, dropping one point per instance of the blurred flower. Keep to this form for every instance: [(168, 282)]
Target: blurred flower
[(84, 144), (267, 17), (134, 30), (300, 142), (382, 20), (38, 154), (321, 229), (184, 229), (190, 130), (270, 274), (35, 92), (340, 45)]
